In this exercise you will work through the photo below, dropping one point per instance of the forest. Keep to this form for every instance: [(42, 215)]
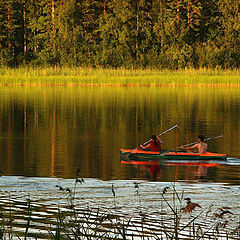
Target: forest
[(163, 34)]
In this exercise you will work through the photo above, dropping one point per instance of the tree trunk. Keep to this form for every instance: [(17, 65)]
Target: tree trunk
[(24, 30), (53, 28), (104, 7), (9, 30)]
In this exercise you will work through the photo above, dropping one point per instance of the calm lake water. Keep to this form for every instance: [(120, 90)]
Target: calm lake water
[(50, 132), (46, 134)]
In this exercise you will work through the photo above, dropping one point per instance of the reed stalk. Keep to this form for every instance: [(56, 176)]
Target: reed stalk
[(29, 219)]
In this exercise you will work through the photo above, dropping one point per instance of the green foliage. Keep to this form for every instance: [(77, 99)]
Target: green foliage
[(128, 33)]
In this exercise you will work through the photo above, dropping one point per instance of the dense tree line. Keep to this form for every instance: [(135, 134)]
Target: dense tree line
[(112, 33)]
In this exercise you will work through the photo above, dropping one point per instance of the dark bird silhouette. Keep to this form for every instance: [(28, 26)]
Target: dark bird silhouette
[(60, 188), (223, 212), (79, 180), (190, 206), (136, 184), (165, 189)]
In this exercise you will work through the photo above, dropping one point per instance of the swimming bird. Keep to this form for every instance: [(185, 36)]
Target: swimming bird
[(190, 206), (60, 188), (79, 180), (223, 212)]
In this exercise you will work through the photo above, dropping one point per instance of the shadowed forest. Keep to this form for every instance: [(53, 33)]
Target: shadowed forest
[(171, 34)]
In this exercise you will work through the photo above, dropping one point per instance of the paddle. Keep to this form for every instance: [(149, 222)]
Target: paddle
[(168, 130), (207, 139)]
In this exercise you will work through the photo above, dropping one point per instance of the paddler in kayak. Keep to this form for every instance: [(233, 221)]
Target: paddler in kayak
[(201, 146), (154, 145)]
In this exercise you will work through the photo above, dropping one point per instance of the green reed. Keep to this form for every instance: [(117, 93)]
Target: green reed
[(58, 76)]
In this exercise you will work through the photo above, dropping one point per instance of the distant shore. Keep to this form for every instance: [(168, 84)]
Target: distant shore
[(76, 76)]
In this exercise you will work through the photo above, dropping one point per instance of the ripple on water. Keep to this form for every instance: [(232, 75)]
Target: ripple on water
[(95, 195)]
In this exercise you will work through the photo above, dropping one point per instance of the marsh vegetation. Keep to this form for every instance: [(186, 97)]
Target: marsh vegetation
[(160, 211), (63, 76)]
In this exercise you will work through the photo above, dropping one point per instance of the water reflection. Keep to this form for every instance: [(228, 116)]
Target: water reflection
[(199, 170), (53, 131), (183, 170), (150, 166), (194, 170)]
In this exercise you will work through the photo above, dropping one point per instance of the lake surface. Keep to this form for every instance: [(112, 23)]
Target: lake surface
[(50, 132), (47, 134), (143, 210)]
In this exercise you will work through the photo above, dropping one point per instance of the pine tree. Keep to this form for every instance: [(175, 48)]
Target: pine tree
[(11, 31), (229, 40), (3, 33)]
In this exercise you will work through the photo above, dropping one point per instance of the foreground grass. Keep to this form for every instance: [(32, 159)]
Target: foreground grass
[(178, 218), (56, 76)]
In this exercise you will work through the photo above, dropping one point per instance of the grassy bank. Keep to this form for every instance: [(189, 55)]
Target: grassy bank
[(57, 76)]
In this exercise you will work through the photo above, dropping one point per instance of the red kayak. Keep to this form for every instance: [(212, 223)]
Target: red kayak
[(172, 155)]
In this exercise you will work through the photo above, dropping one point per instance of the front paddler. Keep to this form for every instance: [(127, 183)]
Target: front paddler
[(154, 145)]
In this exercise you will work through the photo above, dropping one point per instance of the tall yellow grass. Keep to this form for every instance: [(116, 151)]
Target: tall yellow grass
[(116, 77)]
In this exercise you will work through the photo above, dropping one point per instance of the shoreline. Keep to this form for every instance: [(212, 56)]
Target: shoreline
[(80, 77), (120, 85)]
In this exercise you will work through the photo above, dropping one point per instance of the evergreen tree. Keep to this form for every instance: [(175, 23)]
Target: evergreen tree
[(145, 36), (118, 34), (3, 33), (114, 33), (229, 34), (91, 13), (11, 32)]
